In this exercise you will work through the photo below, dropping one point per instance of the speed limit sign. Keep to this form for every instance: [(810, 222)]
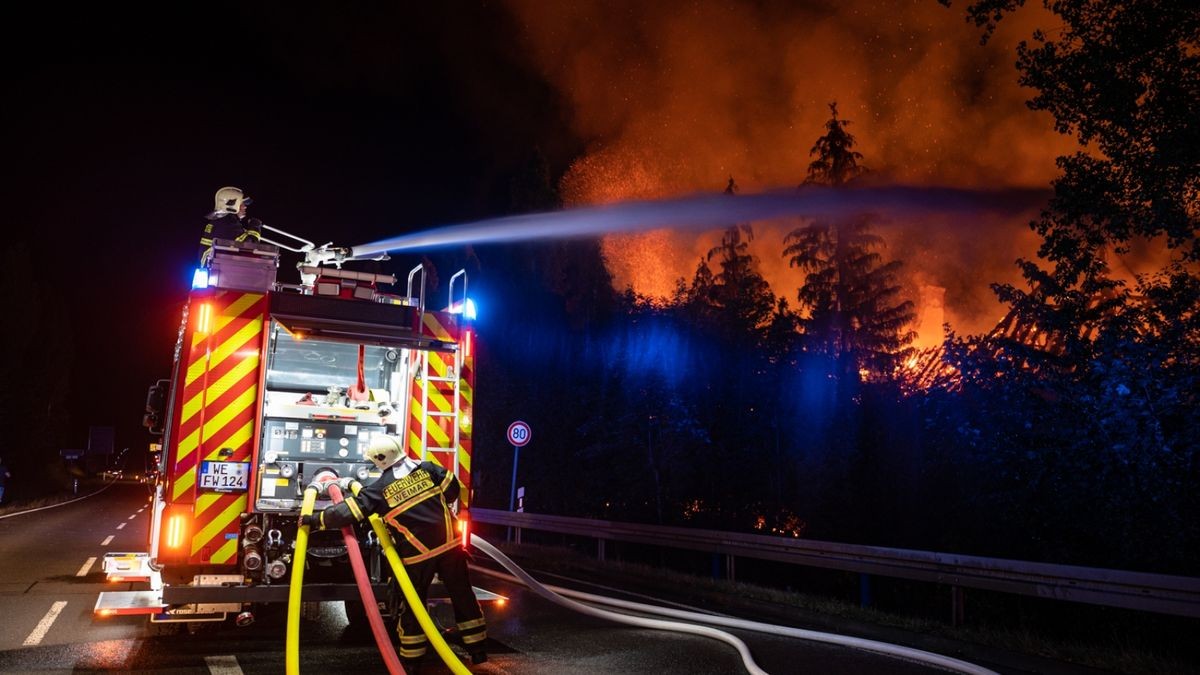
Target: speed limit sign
[(518, 433)]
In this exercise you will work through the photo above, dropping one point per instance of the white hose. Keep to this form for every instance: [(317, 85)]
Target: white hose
[(906, 653), (640, 622)]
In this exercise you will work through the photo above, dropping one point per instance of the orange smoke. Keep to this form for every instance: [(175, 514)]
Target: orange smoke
[(677, 97)]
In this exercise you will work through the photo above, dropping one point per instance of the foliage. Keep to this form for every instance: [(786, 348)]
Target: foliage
[(1117, 364), (1069, 440), (850, 296), (740, 298)]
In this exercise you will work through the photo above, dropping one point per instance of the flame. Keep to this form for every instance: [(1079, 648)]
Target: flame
[(675, 102)]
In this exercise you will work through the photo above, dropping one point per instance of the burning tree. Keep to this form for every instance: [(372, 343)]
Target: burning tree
[(851, 298), (740, 295)]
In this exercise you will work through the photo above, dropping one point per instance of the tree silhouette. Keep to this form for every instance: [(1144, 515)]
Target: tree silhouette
[(741, 297), (851, 298), (1122, 78)]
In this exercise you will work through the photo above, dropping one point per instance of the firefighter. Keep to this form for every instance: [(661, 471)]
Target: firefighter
[(228, 221), (414, 499)]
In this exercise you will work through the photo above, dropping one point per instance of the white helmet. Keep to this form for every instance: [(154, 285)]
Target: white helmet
[(229, 200), (384, 451)]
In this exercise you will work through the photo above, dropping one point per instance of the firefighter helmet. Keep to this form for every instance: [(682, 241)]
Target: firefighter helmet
[(384, 451), (229, 200)]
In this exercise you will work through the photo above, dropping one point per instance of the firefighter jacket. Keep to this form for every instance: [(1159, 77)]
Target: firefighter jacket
[(229, 226), (414, 500)]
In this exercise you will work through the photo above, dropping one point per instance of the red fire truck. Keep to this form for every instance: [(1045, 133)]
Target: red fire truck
[(272, 382)]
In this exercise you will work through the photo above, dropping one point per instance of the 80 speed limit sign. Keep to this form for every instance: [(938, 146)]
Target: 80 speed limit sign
[(518, 433)]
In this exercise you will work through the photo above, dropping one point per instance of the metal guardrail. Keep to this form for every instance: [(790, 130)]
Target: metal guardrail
[(1161, 593)]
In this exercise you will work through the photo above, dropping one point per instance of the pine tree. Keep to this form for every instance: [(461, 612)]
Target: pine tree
[(850, 296), (740, 295)]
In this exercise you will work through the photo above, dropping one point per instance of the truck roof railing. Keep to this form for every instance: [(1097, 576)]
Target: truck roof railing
[(304, 244)]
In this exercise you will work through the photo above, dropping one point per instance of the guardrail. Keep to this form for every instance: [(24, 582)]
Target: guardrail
[(1161, 593)]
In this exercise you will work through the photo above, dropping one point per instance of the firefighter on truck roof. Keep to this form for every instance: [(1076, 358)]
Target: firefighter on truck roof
[(414, 499), (228, 221)]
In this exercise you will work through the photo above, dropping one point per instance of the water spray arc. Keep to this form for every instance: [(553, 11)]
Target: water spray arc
[(708, 211)]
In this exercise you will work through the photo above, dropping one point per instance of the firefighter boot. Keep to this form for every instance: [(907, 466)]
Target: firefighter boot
[(478, 657)]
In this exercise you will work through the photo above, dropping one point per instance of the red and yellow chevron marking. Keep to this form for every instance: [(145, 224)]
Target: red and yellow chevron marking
[(466, 392), (218, 412), (466, 421), (215, 542), (425, 435), (433, 326), (439, 430)]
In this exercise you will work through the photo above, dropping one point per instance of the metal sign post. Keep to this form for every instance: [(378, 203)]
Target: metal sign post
[(518, 435)]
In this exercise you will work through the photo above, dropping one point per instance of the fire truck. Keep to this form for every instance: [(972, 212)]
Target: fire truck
[(271, 383)]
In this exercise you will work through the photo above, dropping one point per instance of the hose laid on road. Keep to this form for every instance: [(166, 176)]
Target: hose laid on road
[(638, 621), (292, 648), (904, 653), (386, 649)]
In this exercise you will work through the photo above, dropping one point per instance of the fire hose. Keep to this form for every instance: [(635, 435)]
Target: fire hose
[(382, 639), (292, 649), (415, 605), (630, 620), (558, 596), (292, 656)]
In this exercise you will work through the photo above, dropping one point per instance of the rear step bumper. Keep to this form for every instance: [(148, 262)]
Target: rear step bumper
[(114, 603)]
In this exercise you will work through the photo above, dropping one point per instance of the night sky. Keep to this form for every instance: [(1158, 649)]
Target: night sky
[(352, 123), (344, 126)]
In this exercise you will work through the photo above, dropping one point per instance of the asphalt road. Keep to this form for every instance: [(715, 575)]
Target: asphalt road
[(50, 578)]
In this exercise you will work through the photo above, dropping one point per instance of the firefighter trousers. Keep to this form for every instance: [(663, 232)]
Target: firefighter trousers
[(451, 568)]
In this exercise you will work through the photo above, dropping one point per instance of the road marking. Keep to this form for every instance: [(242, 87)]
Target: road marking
[(107, 540), (132, 517), (44, 625), (223, 665), (121, 526), (87, 566)]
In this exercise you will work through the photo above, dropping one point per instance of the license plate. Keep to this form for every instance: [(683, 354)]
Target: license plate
[(224, 475)]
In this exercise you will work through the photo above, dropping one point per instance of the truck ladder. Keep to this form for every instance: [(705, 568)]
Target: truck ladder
[(433, 384)]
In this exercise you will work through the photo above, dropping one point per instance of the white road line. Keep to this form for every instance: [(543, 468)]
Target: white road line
[(121, 526), (223, 665), (132, 517), (44, 625), (87, 566), (107, 540)]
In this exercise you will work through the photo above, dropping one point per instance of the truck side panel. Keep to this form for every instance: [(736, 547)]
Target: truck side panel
[(216, 420), (440, 408)]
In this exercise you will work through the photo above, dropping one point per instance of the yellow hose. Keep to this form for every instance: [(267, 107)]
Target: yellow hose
[(410, 594), (292, 651)]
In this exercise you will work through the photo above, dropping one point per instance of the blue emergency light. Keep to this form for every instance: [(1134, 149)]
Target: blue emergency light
[(200, 279)]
